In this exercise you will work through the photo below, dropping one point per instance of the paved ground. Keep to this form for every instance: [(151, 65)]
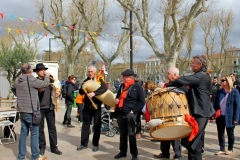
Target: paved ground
[(69, 139)]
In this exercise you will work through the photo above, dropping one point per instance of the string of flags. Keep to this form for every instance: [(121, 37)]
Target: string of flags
[(95, 35)]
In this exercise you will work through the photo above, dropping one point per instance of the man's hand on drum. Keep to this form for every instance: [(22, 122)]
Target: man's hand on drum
[(117, 101), (91, 94)]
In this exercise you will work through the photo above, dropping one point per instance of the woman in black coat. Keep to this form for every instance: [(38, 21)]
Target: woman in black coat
[(69, 100)]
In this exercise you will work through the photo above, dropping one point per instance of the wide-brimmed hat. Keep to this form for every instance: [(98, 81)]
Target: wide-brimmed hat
[(39, 66)]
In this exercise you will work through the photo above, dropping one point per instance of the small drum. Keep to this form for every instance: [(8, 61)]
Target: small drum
[(167, 108)]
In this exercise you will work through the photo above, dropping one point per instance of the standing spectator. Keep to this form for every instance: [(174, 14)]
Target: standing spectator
[(89, 111), (236, 83), (215, 88), (62, 84), (77, 85), (69, 100), (47, 98), (117, 84), (227, 103), (21, 90), (199, 102), (130, 101), (172, 73)]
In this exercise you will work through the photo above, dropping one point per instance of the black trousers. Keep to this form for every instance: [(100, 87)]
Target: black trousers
[(50, 118), (221, 125), (126, 123), (87, 118), (80, 110), (138, 120), (165, 147), (195, 147)]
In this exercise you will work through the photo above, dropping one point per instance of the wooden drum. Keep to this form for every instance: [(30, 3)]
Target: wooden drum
[(167, 108)]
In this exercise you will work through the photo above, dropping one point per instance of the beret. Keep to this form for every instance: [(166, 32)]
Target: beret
[(128, 72)]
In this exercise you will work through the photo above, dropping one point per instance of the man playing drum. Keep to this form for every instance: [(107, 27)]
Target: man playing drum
[(172, 73), (130, 101), (199, 102)]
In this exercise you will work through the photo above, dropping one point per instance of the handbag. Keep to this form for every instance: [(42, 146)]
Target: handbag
[(36, 115)]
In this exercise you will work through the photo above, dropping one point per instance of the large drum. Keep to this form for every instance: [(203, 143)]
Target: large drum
[(167, 108)]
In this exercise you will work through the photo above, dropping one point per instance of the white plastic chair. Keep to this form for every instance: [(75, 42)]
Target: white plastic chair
[(4, 121)]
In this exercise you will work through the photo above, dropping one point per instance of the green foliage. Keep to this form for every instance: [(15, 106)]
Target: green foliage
[(11, 59)]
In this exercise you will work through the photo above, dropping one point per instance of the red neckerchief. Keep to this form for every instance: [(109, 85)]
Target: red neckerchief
[(123, 95)]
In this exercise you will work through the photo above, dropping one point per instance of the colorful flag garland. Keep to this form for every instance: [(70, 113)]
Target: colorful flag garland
[(93, 34)]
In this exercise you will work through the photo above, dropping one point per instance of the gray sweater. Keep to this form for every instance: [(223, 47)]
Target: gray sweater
[(20, 89)]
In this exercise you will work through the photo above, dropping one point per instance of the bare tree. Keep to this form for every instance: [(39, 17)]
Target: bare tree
[(178, 16), (216, 27), (96, 22), (67, 24), (184, 58)]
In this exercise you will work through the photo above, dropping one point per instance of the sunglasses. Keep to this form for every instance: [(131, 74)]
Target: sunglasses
[(223, 80)]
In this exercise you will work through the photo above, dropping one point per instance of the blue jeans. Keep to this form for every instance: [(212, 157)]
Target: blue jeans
[(26, 125)]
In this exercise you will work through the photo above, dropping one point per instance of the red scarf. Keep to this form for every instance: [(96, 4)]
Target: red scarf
[(124, 93)]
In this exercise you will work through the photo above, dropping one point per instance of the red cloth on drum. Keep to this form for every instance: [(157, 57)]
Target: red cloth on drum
[(147, 115), (123, 95), (191, 121)]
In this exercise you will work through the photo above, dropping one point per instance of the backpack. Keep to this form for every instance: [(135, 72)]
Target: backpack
[(64, 91)]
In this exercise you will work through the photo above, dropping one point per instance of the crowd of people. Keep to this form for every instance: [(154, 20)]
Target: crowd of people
[(207, 100)]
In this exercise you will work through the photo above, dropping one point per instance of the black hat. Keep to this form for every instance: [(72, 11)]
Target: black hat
[(128, 72), (39, 66)]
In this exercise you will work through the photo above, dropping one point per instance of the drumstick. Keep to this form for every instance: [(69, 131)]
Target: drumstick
[(91, 100)]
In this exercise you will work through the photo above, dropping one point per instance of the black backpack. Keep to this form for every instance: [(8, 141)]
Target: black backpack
[(64, 91)]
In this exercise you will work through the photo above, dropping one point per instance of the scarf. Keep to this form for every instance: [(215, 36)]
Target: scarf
[(124, 93)]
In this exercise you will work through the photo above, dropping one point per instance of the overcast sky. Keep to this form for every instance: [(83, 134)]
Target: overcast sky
[(25, 9)]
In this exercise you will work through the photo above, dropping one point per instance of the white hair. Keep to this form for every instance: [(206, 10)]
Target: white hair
[(174, 70), (93, 67)]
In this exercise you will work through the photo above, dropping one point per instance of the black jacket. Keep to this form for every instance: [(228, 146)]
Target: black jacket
[(99, 91), (199, 92), (134, 101), (69, 100), (215, 88)]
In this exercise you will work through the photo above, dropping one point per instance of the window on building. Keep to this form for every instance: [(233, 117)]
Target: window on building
[(234, 62), (234, 70)]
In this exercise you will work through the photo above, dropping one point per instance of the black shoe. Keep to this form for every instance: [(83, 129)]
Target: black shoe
[(65, 122), (56, 151), (70, 126), (42, 152), (134, 158), (95, 148), (81, 148), (120, 155), (160, 156)]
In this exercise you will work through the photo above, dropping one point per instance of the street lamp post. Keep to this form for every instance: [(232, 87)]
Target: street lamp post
[(131, 40), (50, 48)]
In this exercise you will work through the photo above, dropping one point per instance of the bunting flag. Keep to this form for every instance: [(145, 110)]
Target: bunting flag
[(93, 34), (1, 15)]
